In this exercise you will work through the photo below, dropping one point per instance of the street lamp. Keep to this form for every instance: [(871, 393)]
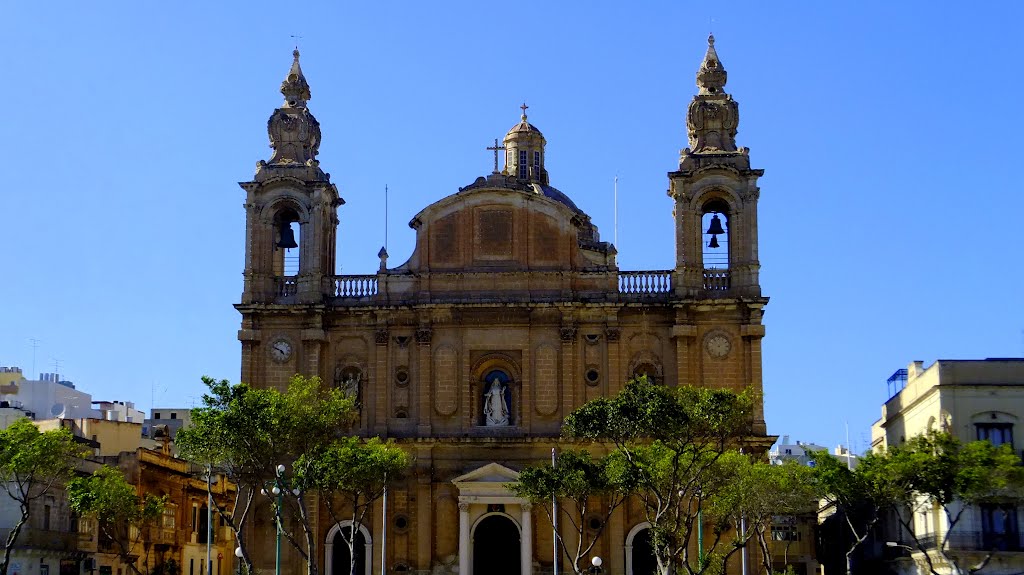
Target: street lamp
[(278, 491), (238, 553), (595, 568)]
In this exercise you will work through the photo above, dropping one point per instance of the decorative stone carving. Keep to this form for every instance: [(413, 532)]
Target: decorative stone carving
[(294, 132), (423, 335), (567, 334), (713, 115), (612, 334), (380, 337)]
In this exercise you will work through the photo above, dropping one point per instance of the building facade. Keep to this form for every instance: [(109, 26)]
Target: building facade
[(510, 312), (972, 399)]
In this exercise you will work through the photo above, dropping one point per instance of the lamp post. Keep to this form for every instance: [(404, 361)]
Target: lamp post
[(277, 490), (239, 554), (595, 566)]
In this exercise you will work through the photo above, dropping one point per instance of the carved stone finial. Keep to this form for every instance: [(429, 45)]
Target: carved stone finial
[(711, 77), (295, 87), (383, 255), (294, 132), (713, 115)]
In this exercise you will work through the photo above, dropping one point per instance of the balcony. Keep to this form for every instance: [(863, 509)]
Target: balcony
[(976, 541)]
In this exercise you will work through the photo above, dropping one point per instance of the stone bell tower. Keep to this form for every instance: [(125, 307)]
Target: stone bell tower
[(715, 193), (291, 207)]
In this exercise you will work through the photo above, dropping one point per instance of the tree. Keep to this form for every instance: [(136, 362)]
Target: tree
[(936, 470), (859, 495), (668, 442), (757, 496), (249, 432), (356, 472), (32, 464), (122, 515), (586, 485)]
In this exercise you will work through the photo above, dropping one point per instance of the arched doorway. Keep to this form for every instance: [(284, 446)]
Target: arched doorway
[(496, 549), (640, 558), (337, 558)]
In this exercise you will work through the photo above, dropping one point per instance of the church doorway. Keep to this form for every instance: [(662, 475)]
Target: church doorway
[(341, 561), (496, 549), (641, 554)]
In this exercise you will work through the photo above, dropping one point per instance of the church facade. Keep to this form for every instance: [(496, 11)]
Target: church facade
[(510, 313)]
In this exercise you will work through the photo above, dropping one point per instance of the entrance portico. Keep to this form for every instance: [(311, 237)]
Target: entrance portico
[(482, 494)]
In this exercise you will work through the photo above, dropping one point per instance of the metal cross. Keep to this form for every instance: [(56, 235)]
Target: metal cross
[(496, 148), (524, 107), (296, 37)]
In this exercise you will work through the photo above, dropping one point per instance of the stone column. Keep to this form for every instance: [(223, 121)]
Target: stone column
[(683, 334), (463, 538), (526, 541)]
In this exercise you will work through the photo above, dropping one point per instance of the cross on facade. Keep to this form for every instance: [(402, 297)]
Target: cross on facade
[(496, 148)]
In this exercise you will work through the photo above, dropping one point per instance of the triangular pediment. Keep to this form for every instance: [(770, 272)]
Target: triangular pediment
[(490, 473)]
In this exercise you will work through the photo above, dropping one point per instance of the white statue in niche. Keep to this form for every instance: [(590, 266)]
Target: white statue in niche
[(495, 407)]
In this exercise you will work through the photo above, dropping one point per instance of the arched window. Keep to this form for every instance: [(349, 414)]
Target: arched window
[(287, 239), (714, 225), (496, 400)]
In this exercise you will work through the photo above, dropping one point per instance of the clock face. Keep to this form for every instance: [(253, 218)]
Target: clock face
[(280, 350), (718, 346)]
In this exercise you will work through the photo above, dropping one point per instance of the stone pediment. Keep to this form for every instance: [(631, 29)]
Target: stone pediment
[(490, 473), (487, 484)]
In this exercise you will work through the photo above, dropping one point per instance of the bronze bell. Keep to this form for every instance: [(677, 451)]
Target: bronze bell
[(287, 240), (716, 226), (714, 242)]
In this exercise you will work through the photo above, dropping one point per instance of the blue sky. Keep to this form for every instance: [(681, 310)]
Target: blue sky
[(890, 211)]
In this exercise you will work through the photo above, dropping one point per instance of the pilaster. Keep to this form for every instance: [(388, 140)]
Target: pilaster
[(423, 338)]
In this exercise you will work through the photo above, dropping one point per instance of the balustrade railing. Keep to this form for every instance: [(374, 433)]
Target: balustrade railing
[(355, 286), (286, 285), (716, 280), (645, 282)]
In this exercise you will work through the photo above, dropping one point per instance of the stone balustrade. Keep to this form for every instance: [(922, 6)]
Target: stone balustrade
[(355, 286), (645, 282), (716, 280)]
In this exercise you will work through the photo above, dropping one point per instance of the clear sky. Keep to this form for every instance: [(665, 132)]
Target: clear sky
[(891, 206)]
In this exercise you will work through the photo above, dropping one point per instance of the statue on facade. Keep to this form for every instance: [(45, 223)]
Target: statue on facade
[(495, 407), (347, 380)]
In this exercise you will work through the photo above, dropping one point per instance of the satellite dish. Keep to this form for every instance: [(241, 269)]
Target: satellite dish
[(58, 410)]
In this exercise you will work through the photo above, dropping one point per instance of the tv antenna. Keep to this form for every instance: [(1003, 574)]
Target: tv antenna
[(35, 345)]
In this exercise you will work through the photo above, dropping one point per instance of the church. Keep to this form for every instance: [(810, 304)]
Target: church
[(510, 312)]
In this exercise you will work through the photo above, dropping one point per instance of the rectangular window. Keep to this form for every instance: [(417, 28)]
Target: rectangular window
[(785, 533), (536, 162), (44, 570), (168, 518), (195, 518), (156, 415), (174, 415), (997, 433), (999, 528), (522, 163)]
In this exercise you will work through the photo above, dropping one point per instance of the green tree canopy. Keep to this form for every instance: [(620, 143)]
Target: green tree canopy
[(32, 465), (667, 443), (586, 489), (122, 514), (938, 470)]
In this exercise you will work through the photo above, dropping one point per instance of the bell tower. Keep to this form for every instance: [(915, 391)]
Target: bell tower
[(715, 193), (291, 206)]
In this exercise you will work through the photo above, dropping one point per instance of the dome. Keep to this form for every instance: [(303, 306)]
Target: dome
[(524, 127)]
